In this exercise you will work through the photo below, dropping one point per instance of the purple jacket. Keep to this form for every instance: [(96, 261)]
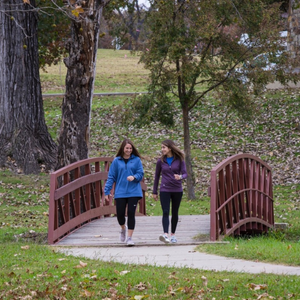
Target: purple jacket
[(168, 182)]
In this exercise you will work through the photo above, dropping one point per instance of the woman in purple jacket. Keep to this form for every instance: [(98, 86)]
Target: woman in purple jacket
[(171, 167)]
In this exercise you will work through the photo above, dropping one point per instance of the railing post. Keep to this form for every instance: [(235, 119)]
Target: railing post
[(213, 206), (52, 212)]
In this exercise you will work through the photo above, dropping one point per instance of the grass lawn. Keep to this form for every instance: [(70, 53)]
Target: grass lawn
[(29, 269), (116, 71)]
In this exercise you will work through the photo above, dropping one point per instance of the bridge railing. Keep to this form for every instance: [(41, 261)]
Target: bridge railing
[(241, 197), (77, 196)]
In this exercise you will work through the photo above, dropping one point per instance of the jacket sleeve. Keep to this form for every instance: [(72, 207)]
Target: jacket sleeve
[(139, 174), (156, 177), (112, 177), (183, 170)]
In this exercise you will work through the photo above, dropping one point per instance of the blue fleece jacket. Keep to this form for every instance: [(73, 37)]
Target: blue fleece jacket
[(118, 173)]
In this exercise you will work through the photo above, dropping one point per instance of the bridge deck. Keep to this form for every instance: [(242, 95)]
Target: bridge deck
[(191, 230)]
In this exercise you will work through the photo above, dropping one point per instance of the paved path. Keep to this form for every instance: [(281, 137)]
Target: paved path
[(99, 240), (177, 256), (278, 86)]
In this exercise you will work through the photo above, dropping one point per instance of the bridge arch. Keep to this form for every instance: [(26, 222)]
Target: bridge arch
[(77, 196), (241, 195)]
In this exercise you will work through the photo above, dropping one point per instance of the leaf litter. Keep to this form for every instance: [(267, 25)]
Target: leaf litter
[(216, 133)]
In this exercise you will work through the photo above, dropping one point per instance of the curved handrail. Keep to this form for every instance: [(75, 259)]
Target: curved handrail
[(81, 163), (80, 182), (246, 221), (236, 157)]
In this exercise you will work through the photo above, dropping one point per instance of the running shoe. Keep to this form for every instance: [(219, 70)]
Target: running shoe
[(164, 238), (173, 239), (123, 234), (129, 242)]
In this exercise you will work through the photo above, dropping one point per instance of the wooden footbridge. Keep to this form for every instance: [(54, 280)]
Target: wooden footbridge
[(241, 202)]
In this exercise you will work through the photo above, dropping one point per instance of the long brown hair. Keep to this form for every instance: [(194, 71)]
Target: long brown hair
[(134, 150), (177, 153)]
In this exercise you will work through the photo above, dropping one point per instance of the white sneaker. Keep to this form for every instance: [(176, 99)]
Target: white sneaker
[(164, 238), (173, 239), (129, 242), (123, 234)]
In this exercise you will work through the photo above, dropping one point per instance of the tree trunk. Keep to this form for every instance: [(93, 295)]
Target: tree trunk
[(187, 150), (81, 64), (293, 40), (23, 132)]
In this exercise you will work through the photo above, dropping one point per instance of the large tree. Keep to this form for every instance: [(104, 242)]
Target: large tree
[(81, 63), (194, 48), (23, 131)]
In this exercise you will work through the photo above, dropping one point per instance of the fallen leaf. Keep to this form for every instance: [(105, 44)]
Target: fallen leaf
[(265, 296), (83, 264), (141, 286), (86, 293), (204, 280), (139, 297), (124, 272), (256, 287)]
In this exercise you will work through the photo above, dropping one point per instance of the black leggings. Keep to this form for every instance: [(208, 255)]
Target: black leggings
[(131, 204), (165, 199)]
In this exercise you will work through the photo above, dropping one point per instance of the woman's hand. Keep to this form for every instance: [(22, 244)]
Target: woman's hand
[(155, 197), (130, 178), (177, 176)]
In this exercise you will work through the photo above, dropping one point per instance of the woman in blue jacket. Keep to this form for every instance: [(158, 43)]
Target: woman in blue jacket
[(126, 171), (171, 167)]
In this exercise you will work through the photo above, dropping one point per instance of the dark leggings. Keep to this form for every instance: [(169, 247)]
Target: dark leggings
[(131, 204), (165, 200)]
